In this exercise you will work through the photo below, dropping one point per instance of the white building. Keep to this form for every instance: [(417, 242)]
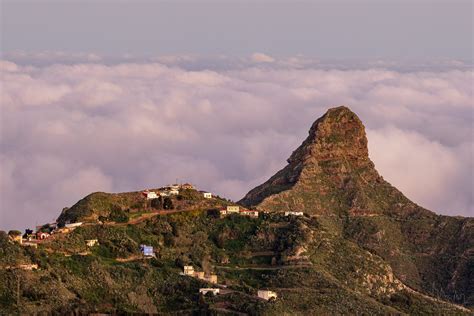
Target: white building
[(250, 213), (233, 209), (204, 291), (173, 192), (207, 195), (150, 195), (92, 242), (188, 270), (266, 295), (294, 213), (73, 225)]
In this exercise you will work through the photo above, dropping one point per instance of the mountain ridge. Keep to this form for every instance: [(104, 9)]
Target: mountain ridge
[(361, 246), (331, 173)]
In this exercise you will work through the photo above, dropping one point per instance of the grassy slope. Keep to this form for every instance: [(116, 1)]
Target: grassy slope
[(98, 282)]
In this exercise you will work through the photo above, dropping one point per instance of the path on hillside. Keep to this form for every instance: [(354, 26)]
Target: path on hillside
[(281, 267), (434, 299), (145, 216)]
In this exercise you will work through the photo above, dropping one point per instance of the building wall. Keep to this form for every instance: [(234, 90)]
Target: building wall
[(233, 208)]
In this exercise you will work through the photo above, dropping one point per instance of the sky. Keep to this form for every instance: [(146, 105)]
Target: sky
[(129, 96), (324, 29)]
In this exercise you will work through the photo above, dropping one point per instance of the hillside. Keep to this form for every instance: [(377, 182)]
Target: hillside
[(361, 246), (331, 176)]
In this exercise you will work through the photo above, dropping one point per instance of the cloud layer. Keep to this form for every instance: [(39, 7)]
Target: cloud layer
[(71, 128)]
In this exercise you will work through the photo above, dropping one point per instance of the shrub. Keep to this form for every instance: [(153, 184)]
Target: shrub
[(157, 203), (118, 215), (14, 233), (168, 204)]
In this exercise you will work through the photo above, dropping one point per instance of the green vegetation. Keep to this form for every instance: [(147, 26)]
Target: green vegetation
[(247, 254), (118, 215)]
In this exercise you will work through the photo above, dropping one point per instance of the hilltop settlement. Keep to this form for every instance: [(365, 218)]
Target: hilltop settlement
[(325, 235)]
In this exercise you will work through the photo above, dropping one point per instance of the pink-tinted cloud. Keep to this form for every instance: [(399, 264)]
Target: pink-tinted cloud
[(69, 129)]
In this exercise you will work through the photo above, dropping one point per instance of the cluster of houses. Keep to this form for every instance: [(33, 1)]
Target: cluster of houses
[(212, 278), (173, 189), (263, 294), (189, 271), (235, 209), (30, 238)]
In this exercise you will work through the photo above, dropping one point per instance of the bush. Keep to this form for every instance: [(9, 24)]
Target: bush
[(168, 204), (118, 215), (214, 213), (157, 203)]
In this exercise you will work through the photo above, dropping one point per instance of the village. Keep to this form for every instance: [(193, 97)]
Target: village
[(48, 231)]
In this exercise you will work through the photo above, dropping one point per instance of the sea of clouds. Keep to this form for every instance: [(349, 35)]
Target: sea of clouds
[(75, 124)]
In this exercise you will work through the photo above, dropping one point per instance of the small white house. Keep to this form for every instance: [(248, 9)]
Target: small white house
[(150, 195), (204, 291), (73, 225), (163, 194), (173, 192), (266, 295), (233, 209), (207, 195), (188, 270), (250, 213), (92, 242), (293, 213)]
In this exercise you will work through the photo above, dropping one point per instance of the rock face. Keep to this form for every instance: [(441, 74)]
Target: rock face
[(330, 173), (331, 176)]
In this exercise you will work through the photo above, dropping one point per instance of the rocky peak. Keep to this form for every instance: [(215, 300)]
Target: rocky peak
[(337, 134), (330, 172)]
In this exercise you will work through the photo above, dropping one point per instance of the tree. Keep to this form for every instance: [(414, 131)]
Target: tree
[(45, 228), (3, 237), (118, 215), (157, 203), (28, 232), (168, 204), (214, 213), (14, 233)]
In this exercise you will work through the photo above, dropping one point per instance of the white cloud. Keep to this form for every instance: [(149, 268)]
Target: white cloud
[(434, 175), (262, 58), (68, 129)]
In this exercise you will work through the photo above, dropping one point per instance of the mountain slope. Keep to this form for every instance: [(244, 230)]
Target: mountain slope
[(331, 176), (361, 248)]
